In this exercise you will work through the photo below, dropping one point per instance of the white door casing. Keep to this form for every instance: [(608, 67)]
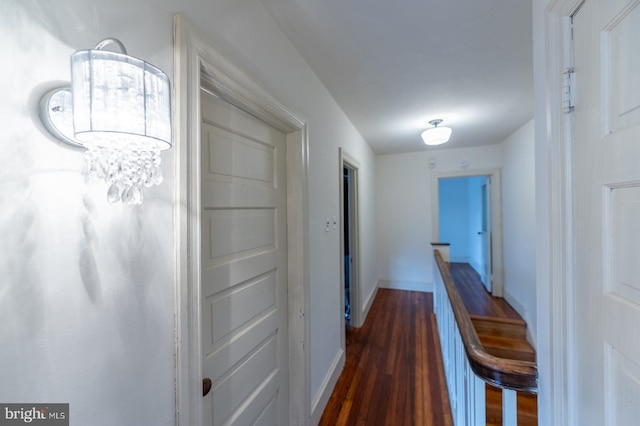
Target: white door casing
[(348, 161), (495, 183), (244, 267), (554, 191), (606, 210), (197, 62), (486, 234)]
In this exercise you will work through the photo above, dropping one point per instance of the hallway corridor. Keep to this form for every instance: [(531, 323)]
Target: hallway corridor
[(393, 373)]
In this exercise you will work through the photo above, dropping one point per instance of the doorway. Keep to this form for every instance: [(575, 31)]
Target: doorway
[(467, 214), (349, 253), (244, 352), (346, 182), (200, 64)]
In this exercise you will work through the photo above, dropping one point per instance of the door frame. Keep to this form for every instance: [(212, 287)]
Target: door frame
[(197, 60), (554, 211), (348, 161), (496, 218), (485, 200)]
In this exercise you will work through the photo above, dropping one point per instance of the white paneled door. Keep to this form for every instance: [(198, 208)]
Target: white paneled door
[(606, 179), (244, 269)]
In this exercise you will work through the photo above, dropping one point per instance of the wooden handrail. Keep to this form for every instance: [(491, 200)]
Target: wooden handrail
[(521, 376)]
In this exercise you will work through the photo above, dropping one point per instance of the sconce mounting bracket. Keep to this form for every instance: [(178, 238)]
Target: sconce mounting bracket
[(56, 114)]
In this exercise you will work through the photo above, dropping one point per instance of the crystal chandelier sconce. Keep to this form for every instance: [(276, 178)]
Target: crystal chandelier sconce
[(119, 109)]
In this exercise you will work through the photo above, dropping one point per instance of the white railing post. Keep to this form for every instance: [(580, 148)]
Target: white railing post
[(509, 407), (466, 390)]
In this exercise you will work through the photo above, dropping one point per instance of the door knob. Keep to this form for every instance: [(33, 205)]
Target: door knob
[(206, 386)]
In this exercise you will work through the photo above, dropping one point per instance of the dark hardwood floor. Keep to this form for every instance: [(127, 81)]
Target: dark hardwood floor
[(475, 297), (393, 373)]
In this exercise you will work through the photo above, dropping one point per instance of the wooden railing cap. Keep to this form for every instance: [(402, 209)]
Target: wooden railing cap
[(504, 373)]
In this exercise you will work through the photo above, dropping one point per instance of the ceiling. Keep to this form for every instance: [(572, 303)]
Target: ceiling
[(394, 65)]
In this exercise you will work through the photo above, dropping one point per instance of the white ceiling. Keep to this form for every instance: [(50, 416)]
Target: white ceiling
[(394, 65)]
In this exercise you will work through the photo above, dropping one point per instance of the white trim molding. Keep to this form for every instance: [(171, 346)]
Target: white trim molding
[(326, 388), (555, 310), (198, 62), (496, 217), (348, 161), (423, 286)]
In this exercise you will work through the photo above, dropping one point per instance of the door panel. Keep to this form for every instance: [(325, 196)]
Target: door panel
[(243, 294), (607, 212)]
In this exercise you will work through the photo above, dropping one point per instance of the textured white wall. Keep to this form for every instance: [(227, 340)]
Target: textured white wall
[(404, 220), (87, 290), (519, 223), (87, 295)]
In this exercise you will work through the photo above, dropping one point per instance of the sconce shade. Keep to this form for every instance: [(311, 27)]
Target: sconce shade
[(120, 102), (119, 109)]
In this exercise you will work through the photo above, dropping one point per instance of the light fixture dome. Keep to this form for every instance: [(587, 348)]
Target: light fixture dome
[(436, 135)]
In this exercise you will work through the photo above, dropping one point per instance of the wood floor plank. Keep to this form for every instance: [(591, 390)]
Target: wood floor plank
[(475, 297), (393, 371)]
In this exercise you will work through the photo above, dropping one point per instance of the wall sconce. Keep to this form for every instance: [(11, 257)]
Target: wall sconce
[(436, 135), (119, 108)]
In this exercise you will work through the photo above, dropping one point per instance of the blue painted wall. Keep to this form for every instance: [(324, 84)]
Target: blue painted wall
[(460, 217)]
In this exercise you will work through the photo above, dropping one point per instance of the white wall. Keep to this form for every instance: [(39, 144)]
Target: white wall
[(519, 223), (404, 216), (403, 183), (87, 301)]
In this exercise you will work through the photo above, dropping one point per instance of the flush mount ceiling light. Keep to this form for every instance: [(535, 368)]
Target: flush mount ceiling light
[(436, 135), (119, 109)]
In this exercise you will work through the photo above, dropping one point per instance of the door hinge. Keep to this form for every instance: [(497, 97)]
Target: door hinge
[(568, 90)]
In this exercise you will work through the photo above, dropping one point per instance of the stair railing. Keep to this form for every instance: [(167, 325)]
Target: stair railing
[(467, 365)]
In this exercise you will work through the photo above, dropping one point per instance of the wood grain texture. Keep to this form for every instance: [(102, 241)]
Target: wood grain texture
[(476, 299), (505, 373), (393, 373)]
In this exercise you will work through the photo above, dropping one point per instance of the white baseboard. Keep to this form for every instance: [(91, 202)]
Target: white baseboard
[(460, 259), (406, 285), (369, 302), (476, 266), (319, 402), (522, 311), (515, 304)]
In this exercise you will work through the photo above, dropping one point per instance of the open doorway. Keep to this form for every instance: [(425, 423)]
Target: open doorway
[(349, 254), (467, 214), (347, 180)]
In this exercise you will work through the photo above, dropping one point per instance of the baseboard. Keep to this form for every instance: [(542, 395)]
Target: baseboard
[(476, 266), (406, 285), (321, 399), (460, 259), (369, 302), (522, 311)]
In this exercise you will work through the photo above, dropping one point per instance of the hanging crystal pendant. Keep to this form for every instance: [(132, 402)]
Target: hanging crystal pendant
[(125, 172)]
